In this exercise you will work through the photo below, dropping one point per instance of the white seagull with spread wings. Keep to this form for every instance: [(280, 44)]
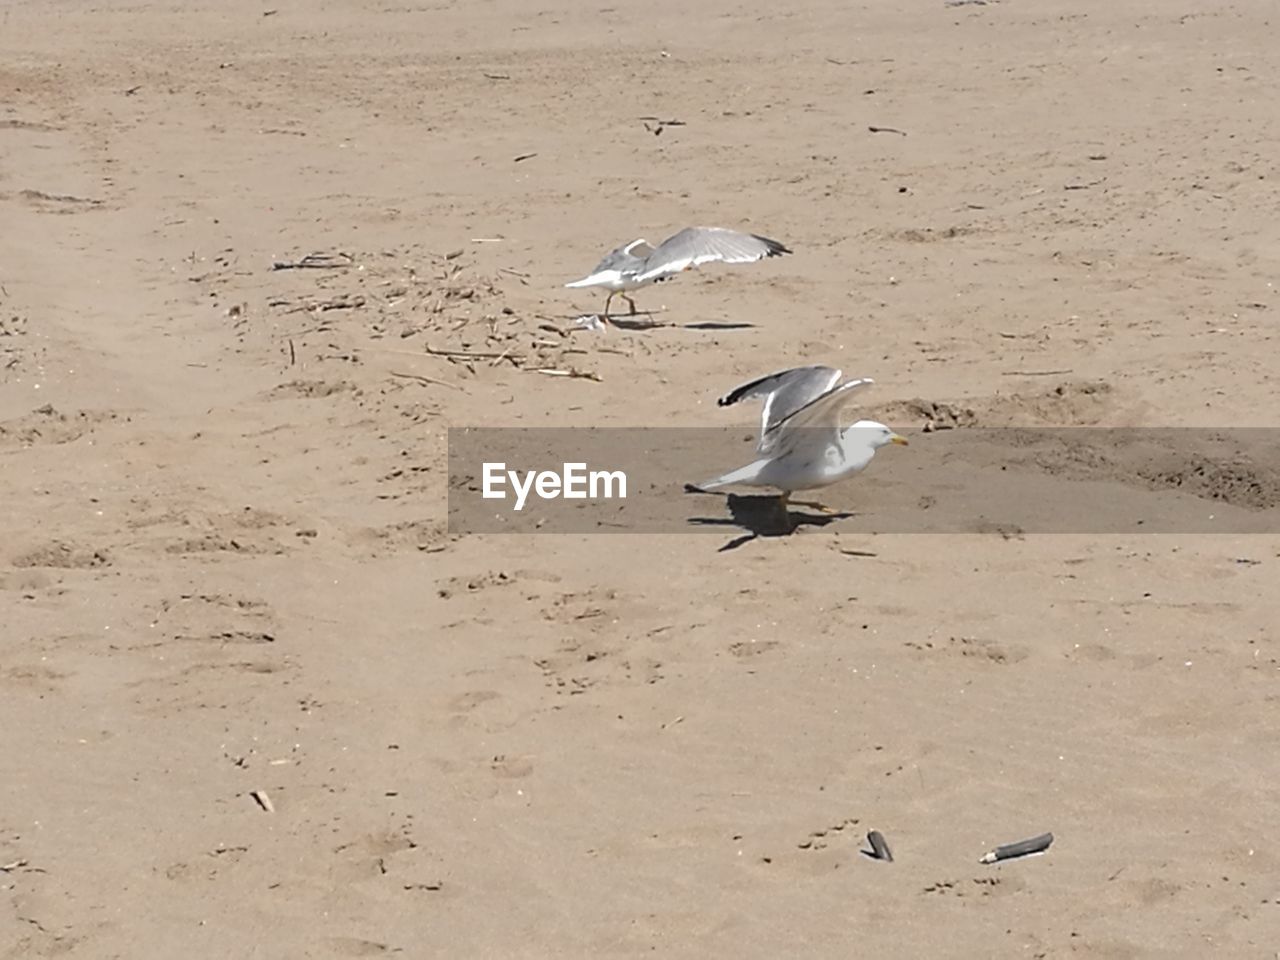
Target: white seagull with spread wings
[(802, 445), (638, 264)]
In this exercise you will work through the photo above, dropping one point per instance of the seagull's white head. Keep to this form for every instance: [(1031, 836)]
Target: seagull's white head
[(873, 434)]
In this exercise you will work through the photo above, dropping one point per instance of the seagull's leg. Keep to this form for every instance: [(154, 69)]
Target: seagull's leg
[(783, 500), (631, 302), (607, 300)]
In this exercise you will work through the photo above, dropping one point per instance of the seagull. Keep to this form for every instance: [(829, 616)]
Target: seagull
[(801, 444), (638, 264)]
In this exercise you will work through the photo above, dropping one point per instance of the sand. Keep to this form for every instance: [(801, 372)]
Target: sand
[(227, 579)]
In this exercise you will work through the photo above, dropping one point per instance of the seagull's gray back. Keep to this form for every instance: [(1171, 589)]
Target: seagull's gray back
[(624, 259)]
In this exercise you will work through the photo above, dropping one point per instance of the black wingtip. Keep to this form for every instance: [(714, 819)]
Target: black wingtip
[(735, 395), (740, 391), (776, 249), (744, 389)]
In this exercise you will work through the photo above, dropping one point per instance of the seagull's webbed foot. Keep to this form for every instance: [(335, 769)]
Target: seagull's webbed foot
[(814, 505)]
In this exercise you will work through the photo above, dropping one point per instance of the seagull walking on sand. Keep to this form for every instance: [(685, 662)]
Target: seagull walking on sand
[(802, 445), (638, 264)]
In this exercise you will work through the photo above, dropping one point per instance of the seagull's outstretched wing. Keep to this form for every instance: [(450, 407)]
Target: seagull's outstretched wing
[(818, 418), (696, 245), (784, 393)]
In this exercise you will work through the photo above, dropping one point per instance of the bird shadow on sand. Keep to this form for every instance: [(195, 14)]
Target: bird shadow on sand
[(760, 516), (644, 320), (717, 325)]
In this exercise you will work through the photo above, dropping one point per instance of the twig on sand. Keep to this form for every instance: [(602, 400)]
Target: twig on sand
[(887, 130), (316, 261), (58, 197), (421, 379), (502, 356), (1035, 373), (659, 125), (474, 355), (260, 797), (572, 373), (1022, 848), (551, 327), (343, 302), (879, 847)]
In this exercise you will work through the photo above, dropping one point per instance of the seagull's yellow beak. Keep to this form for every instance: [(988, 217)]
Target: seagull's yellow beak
[(900, 441)]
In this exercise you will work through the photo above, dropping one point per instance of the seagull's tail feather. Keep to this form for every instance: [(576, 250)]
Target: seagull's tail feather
[(594, 279), (742, 475)]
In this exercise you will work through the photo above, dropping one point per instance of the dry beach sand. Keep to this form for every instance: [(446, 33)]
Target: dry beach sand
[(226, 577)]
